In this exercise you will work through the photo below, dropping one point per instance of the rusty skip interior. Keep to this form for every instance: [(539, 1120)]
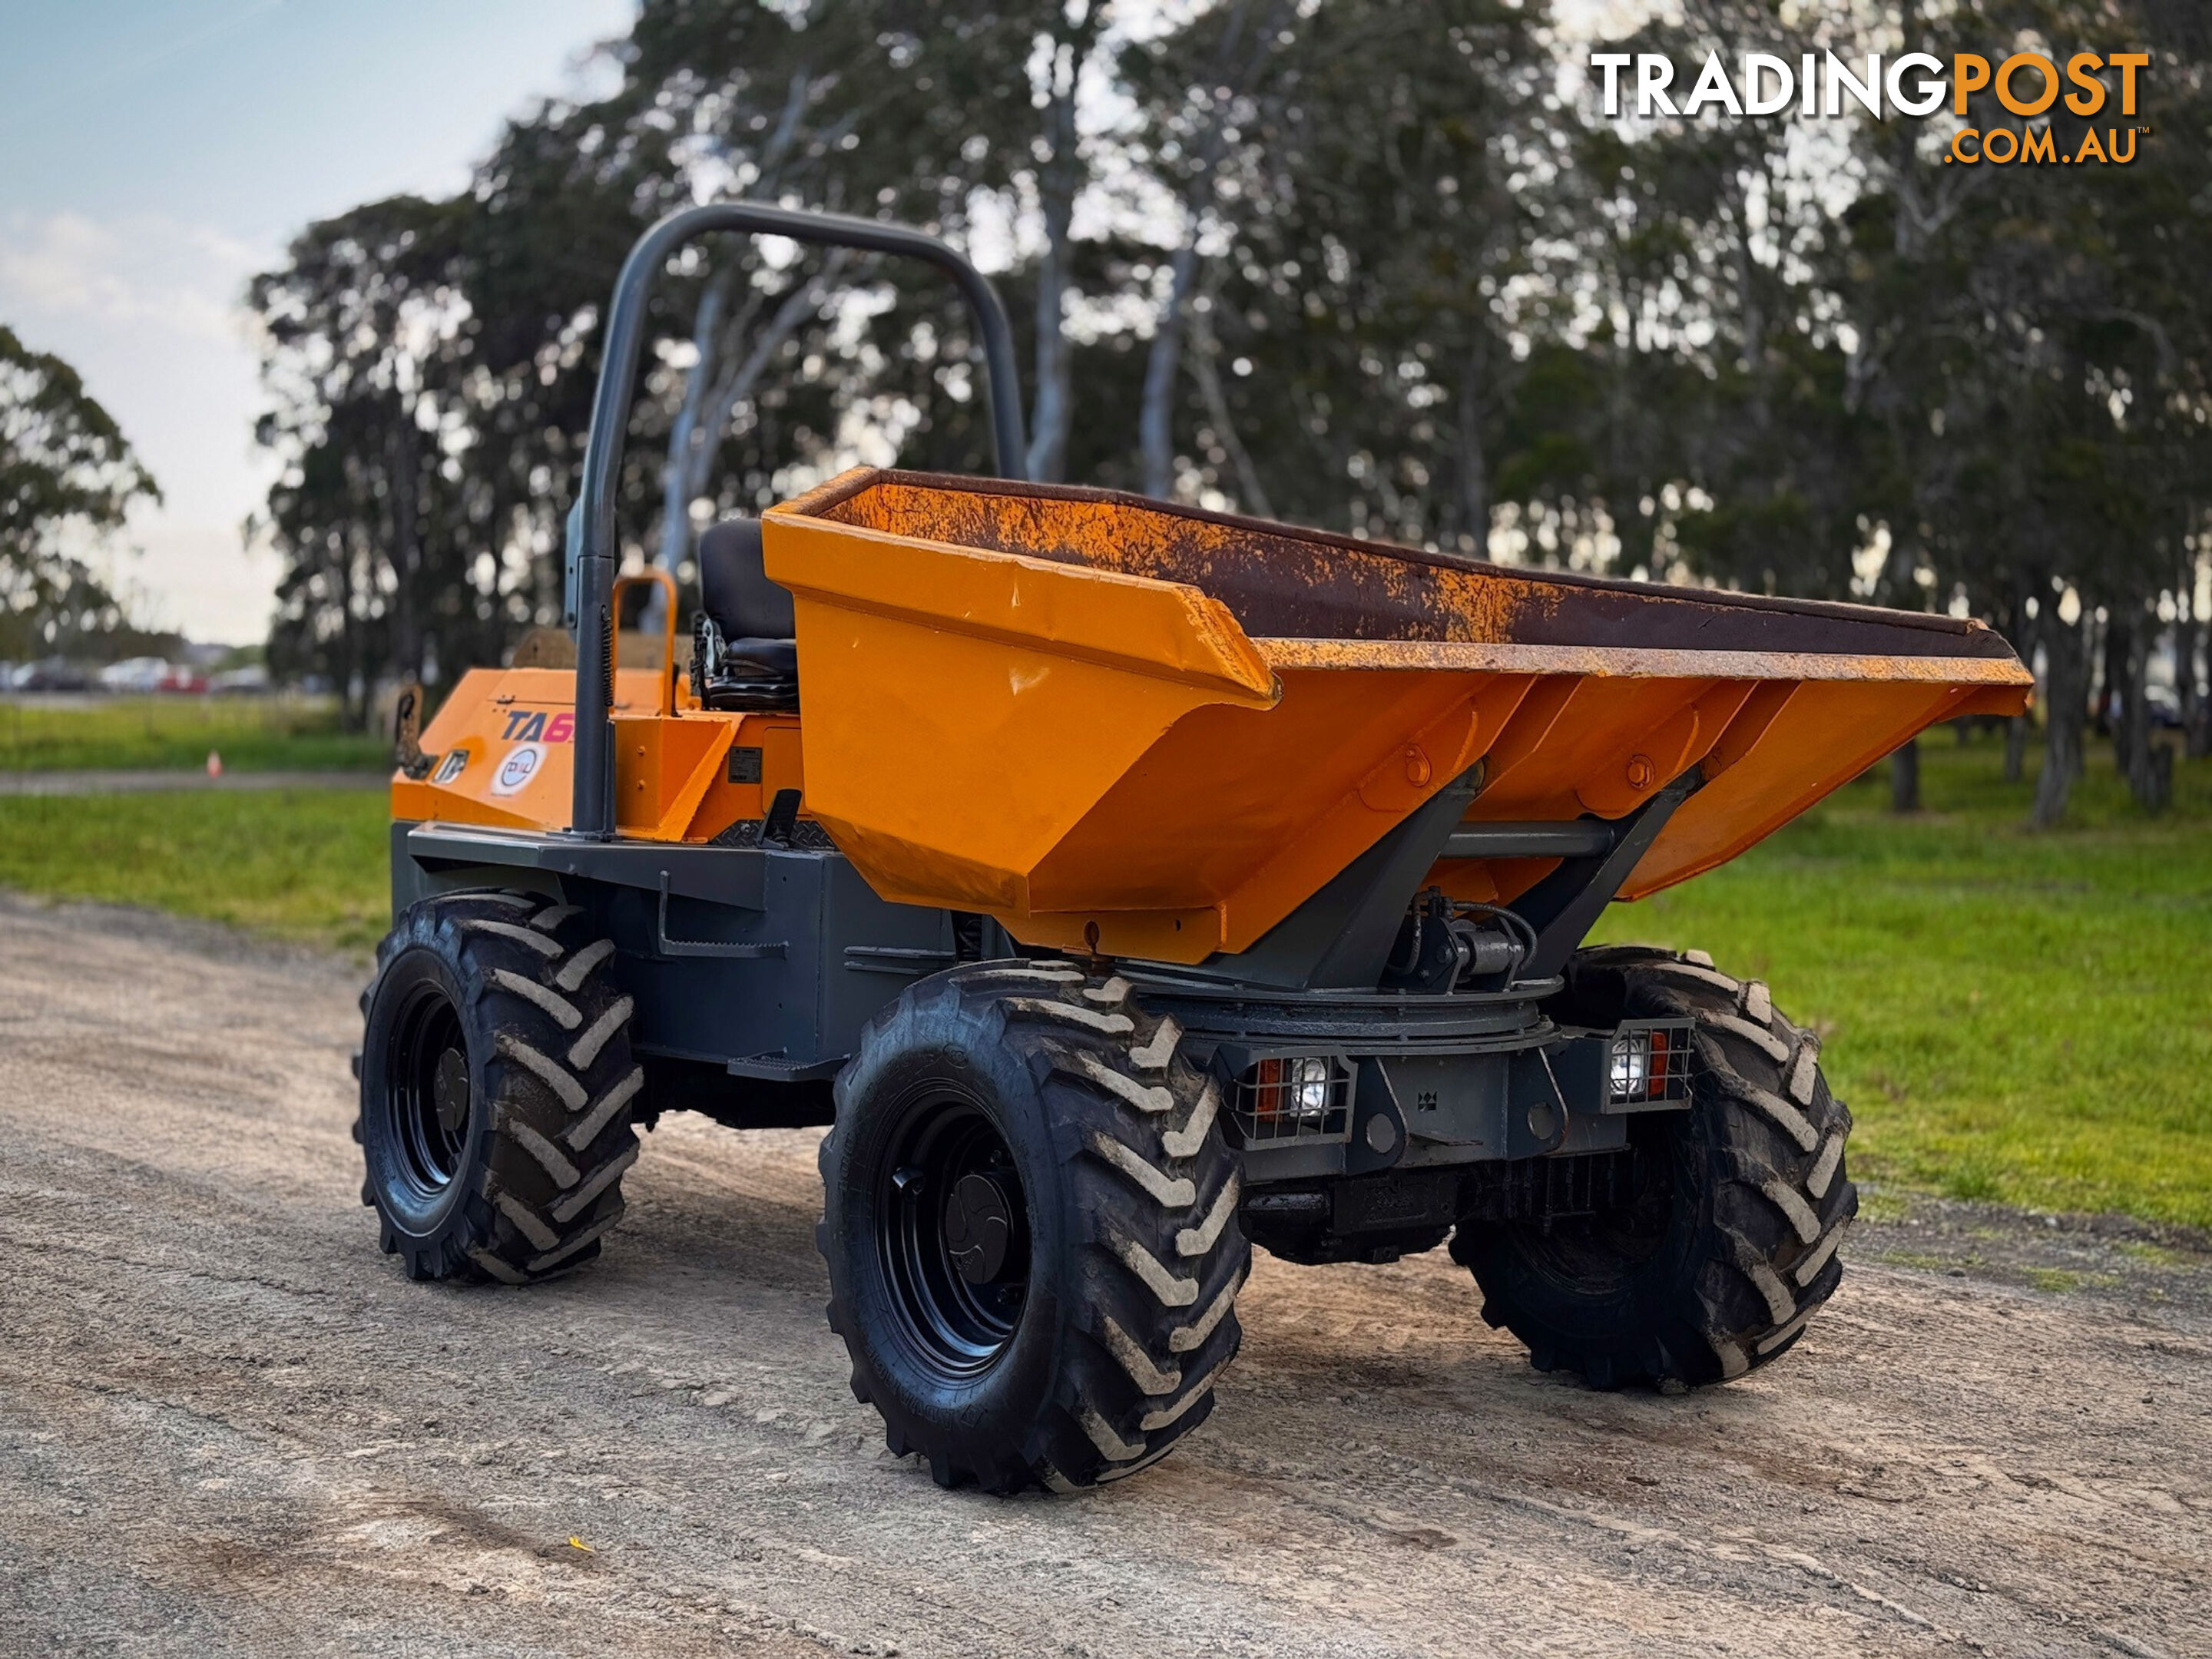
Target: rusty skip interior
[(1283, 583)]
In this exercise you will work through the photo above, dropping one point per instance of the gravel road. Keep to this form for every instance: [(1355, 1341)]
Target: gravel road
[(229, 1425)]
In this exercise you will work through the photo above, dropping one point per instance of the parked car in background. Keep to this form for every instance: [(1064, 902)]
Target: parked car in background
[(52, 675), (133, 675), (150, 676), (239, 682), (2161, 702)]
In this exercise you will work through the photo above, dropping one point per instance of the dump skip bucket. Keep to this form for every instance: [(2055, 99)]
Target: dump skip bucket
[(1156, 731)]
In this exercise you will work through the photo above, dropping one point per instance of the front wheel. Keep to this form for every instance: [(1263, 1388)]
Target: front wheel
[(1030, 1226), (1730, 1246), (496, 1085)]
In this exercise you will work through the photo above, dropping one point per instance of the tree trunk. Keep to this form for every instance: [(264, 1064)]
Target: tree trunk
[(2097, 671), (2017, 728), (1206, 366), (1905, 778), (1050, 415), (2199, 731), (683, 433), (352, 681), (2066, 660), (1156, 414), (711, 397), (798, 304), (1753, 315), (403, 545), (695, 422), (1156, 417), (2132, 736), (2185, 626), (1058, 181), (2190, 638), (1473, 470), (2113, 687)]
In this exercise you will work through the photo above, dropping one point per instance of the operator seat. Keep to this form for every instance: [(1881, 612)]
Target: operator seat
[(745, 653)]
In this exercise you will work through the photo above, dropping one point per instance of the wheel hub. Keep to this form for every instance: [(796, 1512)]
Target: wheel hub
[(978, 1226), (451, 1091), (426, 1101), (953, 1234)]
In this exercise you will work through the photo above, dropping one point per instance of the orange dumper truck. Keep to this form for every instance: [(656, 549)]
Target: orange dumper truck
[(1125, 885)]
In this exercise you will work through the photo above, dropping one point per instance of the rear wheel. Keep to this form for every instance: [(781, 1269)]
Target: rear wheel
[(1730, 1247), (1029, 1221), (496, 1085)]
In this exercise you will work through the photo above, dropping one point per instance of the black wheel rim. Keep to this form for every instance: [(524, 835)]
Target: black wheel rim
[(427, 1094), (953, 1235)]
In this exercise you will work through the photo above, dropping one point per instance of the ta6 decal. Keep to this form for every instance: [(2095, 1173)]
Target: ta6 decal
[(532, 726)]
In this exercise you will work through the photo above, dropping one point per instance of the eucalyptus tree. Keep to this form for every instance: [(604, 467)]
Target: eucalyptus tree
[(2047, 336), (360, 331), (67, 476), (1198, 87), (1373, 194), (1366, 263)]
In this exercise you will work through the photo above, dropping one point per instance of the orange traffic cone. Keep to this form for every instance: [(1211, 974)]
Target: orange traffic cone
[(215, 764)]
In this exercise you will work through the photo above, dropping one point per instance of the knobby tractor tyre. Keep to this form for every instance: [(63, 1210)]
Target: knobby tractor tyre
[(496, 1085), (1030, 1225), (1730, 1246)]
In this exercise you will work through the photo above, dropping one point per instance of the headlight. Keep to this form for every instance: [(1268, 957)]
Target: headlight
[(1292, 1097), (1313, 1085), (1631, 1065), (1650, 1063)]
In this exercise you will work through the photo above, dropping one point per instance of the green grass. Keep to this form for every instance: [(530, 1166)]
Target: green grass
[(2017, 1017), (307, 864), (252, 734), (2011, 1016)]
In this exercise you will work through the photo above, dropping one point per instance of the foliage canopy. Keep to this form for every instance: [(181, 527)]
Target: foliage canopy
[(1371, 265), (67, 477)]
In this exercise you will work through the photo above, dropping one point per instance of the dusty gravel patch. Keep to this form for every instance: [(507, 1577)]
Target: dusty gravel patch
[(227, 1426)]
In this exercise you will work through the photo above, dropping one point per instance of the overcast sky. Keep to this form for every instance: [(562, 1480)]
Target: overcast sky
[(154, 153)]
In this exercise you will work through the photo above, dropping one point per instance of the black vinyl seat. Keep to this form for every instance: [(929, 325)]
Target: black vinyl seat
[(745, 653)]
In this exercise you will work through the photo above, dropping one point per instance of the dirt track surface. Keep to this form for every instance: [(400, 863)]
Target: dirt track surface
[(229, 1425)]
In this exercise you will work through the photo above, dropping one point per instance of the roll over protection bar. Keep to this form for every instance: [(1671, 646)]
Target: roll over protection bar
[(592, 555)]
